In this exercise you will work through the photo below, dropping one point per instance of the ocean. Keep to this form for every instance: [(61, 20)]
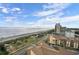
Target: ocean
[(7, 32)]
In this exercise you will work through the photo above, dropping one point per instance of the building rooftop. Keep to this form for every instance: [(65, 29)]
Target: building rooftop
[(61, 37), (43, 49)]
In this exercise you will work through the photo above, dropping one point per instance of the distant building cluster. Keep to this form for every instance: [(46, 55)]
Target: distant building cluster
[(64, 31), (64, 36)]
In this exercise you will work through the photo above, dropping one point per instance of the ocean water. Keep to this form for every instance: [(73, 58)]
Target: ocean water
[(7, 32)]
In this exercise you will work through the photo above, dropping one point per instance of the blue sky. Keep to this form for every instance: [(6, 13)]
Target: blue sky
[(43, 15)]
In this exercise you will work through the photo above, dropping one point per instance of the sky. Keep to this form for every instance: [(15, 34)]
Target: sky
[(39, 15)]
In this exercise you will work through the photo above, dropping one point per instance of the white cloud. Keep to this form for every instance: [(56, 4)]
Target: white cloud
[(5, 10), (52, 9), (43, 23), (45, 13), (16, 9), (1, 7), (70, 18), (63, 19), (56, 6), (9, 10), (12, 21), (9, 19), (50, 22), (53, 13)]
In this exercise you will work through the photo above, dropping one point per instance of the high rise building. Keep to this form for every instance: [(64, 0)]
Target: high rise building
[(58, 28)]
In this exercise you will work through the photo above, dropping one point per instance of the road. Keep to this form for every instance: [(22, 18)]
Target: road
[(21, 51)]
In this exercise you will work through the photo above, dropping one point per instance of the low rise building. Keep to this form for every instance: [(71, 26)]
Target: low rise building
[(70, 33), (63, 41)]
